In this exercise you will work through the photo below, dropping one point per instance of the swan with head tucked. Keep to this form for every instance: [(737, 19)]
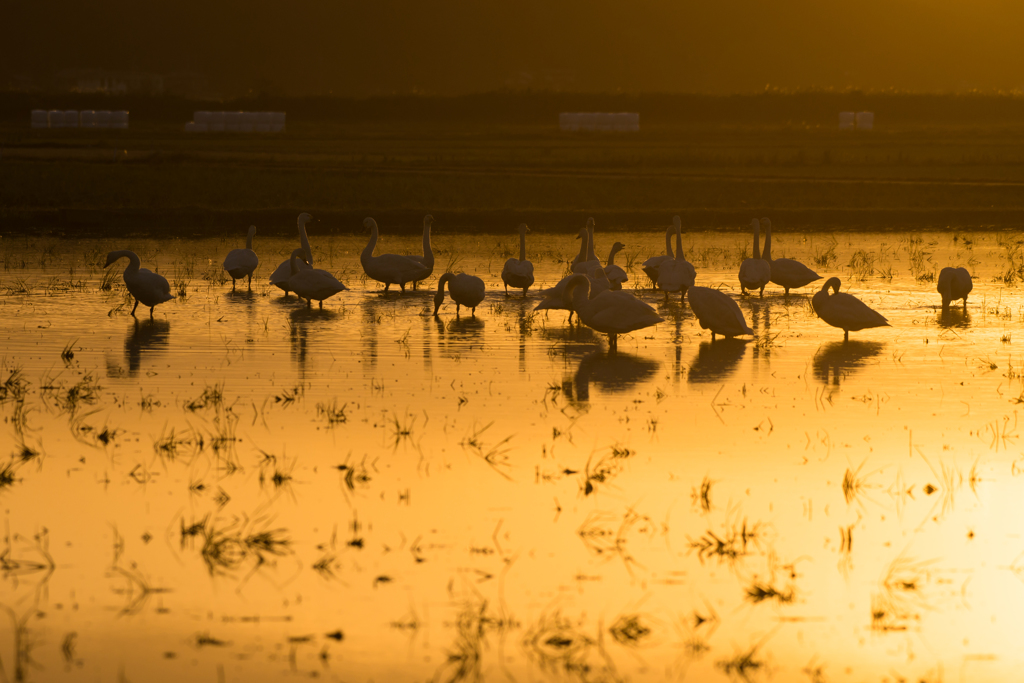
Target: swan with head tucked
[(677, 274), (755, 272), (652, 264), (242, 262), (586, 261), (611, 312), (281, 275), (313, 283), (391, 269), (427, 259), (786, 272), (147, 287), (465, 290), (716, 311), (616, 275), (554, 297), (845, 311), (518, 272), (954, 283)]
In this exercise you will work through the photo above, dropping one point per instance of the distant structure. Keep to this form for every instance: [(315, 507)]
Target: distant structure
[(861, 120), (625, 122), (236, 122), (55, 118)]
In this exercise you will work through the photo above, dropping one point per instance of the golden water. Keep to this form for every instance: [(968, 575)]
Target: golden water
[(242, 489)]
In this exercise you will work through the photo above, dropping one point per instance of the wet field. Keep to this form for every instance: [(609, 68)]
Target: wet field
[(244, 489)]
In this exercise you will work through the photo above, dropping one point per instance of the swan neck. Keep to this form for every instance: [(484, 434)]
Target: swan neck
[(611, 255), (133, 261), (591, 256), (679, 246), (522, 245), (767, 253), (371, 245), (668, 241), (426, 240), (305, 243), (442, 281), (757, 242)]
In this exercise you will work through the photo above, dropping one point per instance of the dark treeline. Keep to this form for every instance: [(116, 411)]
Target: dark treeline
[(768, 108)]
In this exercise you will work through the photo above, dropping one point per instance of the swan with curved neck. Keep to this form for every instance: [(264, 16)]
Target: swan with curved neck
[(716, 311), (427, 259), (147, 287), (311, 283), (652, 264), (465, 290), (845, 311), (391, 269), (677, 274), (518, 273), (755, 272), (610, 312), (616, 275), (240, 263), (787, 273), (279, 278)]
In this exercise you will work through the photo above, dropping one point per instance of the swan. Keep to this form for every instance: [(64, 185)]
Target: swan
[(611, 312), (518, 272), (554, 297), (465, 290), (586, 261), (242, 262), (616, 275), (313, 283), (954, 283), (283, 272), (785, 271), (755, 272), (677, 274), (845, 311), (391, 269), (716, 311), (427, 258), (652, 264), (147, 287)]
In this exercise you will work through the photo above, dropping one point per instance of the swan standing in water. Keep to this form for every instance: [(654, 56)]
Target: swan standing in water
[(586, 261), (281, 275), (611, 312), (313, 283), (427, 259), (465, 290), (677, 274), (845, 311), (716, 311), (652, 264), (242, 262), (616, 275), (518, 272), (786, 272), (554, 297), (954, 283), (147, 287), (391, 269), (755, 272)]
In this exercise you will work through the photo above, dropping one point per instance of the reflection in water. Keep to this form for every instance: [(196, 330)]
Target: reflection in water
[(146, 335), (241, 296), (840, 358), (300, 322), (612, 373), (954, 317), (716, 360), (465, 329)]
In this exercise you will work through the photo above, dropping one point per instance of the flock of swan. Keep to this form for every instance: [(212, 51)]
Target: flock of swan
[(592, 291)]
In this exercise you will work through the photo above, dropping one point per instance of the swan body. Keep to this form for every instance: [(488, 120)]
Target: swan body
[(554, 297), (845, 311), (518, 272), (616, 275), (147, 287), (611, 312), (716, 311), (279, 278), (391, 269), (427, 259), (465, 290), (242, 262), (677, 274), (786, 272), (755, 272), (652, 264), (312, 283), (954, 283), (586, 261)]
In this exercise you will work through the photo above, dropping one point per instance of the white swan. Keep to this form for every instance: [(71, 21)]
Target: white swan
[(465, 290), (242, 262), (677, 274), (786, 272), (954, 283), (518, 272), (313, 283), (755, 272), (391, 269), (616, 275), (554, 297), (147, 287), (280, 276), (716, 311), (611, 312), (587, 261), (845, 311), (652, 264), (427, 259)]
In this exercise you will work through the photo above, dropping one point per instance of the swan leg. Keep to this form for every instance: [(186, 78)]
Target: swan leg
[(321, 304), (150, 311), (712, 335), (761, 295), (474, 311), (309, 303), (456, 309), (506, 289), (134, 307), (743, 290), (846, 335), (402, 285), (250, 281), (232, 284), (524, 291), (387, 286), (965, 304)]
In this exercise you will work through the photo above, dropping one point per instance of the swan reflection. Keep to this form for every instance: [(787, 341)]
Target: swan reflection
[(954, 318), (612, 373), (838, 359), (300, 322), (241, 296), (716, 360), (143, 337)]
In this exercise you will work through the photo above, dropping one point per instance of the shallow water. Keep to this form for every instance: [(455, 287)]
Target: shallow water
[(242, 488)]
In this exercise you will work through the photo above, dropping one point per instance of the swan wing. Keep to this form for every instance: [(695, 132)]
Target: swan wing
[(467, 290), (755, 273), (240, 262), (847, 312), (789, 273), (148, 287), (616, 312), (716, 311), (284, 271)]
